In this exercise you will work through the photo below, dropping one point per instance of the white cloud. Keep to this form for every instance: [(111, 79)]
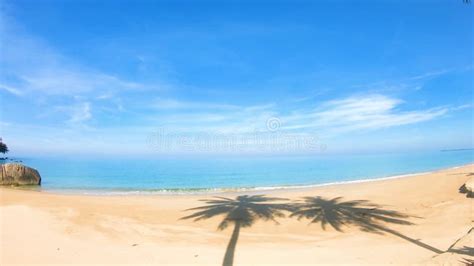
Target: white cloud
[(211, 117), (30, 65), (77, 113), (462, 107), (410, 83), (11, 90), (367, 112), (81, 113), (430, 74), (350, 114), (4, 124), (73, 81)]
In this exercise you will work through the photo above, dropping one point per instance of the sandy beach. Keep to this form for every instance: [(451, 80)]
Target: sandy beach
[(420, 219)]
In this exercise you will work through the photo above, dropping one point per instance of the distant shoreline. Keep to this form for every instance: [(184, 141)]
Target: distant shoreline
[(466, 149)]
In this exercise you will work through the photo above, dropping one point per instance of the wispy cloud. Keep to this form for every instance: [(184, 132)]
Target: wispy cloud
[(30, 65), (81, 113), (313, 95), (77, 114), (407, 83), (462, 107), (363, 112), (367, 112), (430, 74), (73, 81), (36, 71), (11, 90), (338, 116), (211, 117)]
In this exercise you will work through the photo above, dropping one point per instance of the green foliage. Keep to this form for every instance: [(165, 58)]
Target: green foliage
[(3, 147)]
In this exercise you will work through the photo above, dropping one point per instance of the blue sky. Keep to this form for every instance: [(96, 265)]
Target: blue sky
[(239, 77)]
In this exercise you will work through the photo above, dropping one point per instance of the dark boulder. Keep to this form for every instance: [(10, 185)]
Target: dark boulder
[(17, 174)]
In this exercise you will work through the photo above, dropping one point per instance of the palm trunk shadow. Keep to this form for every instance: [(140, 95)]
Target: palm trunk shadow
[(409, 239), (243, 211), (230, 251)]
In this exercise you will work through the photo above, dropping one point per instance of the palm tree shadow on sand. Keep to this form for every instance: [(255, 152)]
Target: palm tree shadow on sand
[(243, 211), (362, 214)]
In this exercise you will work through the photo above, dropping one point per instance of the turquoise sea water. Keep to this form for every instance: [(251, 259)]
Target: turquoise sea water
[(193, 175)]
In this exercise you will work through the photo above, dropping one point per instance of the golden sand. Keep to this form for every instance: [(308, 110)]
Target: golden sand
[(416, 220)]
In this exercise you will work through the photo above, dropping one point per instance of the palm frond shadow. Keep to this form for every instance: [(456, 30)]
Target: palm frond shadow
[(364, 215), (463, 251), (243, 211), (467, 262)]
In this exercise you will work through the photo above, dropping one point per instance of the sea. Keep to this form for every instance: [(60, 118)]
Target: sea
[(122, 176)]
